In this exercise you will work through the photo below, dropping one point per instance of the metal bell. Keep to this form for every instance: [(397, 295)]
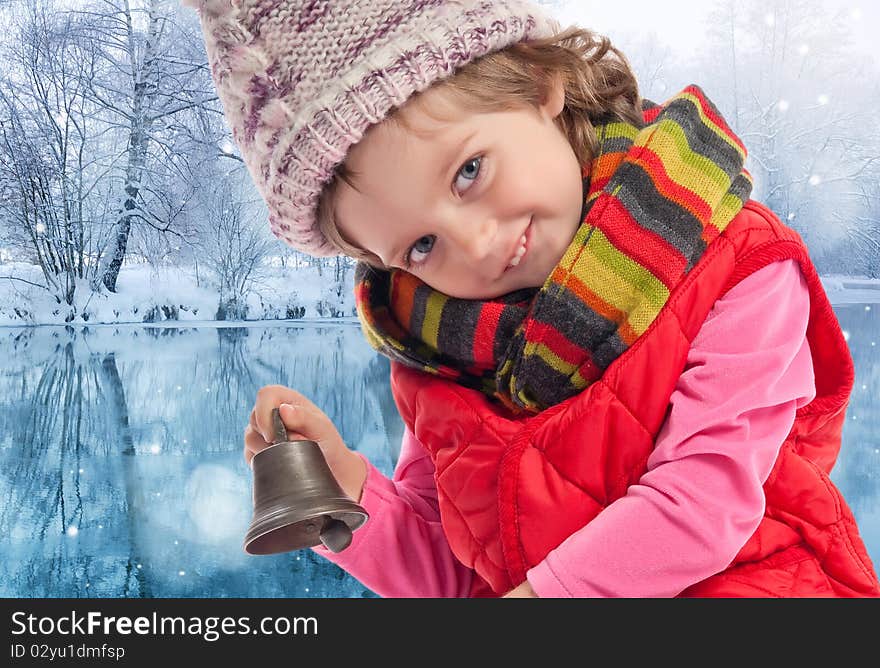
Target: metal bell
[(297, 501)]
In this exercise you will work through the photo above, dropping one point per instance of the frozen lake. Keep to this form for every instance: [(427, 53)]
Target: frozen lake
[(121, 461)]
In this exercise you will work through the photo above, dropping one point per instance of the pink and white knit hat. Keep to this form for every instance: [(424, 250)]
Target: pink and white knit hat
[(302, 80)]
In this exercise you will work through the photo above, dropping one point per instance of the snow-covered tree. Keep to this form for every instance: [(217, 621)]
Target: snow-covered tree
[(233, 244), (50, 151), (100, 107), (787, 79), (149, 70)]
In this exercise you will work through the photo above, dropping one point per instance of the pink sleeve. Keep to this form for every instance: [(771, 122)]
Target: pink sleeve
[(748, 370), (401, 551)]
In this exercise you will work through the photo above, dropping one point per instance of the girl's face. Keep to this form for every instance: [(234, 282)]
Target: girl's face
[(476, 208)]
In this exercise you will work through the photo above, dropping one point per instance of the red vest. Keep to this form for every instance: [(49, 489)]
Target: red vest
[(512, 488)]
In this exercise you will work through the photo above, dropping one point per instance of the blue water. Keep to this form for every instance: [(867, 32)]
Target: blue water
[(121, 464)]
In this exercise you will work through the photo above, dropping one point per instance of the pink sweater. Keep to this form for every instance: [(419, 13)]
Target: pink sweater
[(749, 369)]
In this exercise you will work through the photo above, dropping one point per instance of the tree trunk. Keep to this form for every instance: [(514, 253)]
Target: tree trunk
[(136, 157), (145, 88)]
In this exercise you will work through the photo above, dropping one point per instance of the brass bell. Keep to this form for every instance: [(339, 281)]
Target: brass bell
[(297, 501)]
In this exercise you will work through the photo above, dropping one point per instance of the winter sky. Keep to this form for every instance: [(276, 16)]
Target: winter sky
[(676, 22)]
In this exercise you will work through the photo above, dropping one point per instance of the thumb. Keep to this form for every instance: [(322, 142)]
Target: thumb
[(303, 422)]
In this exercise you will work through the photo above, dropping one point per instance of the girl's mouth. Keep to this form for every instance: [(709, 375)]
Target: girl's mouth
[(521, 249)]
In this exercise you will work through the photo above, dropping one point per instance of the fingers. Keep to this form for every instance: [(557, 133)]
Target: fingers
[(302, 419), (253, 443), (269, 397), (306, 421)]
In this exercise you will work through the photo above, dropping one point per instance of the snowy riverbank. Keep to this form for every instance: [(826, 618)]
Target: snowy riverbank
[(173, 294)]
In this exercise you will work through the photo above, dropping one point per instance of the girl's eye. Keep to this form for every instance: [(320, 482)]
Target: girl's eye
[(470, 172), (418, 253)]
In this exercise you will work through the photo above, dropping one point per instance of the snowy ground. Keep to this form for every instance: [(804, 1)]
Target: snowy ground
[(173, 294), (852, 289), (145, 294)]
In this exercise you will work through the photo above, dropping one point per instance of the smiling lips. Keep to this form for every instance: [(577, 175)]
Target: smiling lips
[(520, 249)]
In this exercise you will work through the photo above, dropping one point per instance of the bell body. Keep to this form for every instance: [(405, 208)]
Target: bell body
[(298, 503)]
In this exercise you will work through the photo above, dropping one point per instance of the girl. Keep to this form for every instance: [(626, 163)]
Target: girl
[(619, 375)]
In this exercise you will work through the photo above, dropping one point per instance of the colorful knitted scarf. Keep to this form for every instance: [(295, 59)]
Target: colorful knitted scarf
[(654, 198)]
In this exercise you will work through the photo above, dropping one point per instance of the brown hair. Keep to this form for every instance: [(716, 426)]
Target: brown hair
[(596, 76)]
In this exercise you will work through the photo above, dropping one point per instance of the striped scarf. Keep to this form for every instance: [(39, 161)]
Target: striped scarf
[(654, 198)]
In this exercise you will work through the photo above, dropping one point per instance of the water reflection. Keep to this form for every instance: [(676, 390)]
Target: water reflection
[(856, 472), (121, 453), (122, 464)]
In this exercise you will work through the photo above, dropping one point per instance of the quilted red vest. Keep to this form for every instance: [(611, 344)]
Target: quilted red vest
[(512, 488)]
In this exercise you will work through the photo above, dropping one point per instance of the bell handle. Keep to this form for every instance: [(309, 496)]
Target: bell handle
[(279, 431)]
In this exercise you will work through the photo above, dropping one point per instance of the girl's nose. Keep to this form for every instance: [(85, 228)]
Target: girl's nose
[(475, 241)]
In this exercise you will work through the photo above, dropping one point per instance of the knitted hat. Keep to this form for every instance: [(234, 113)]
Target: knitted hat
[(302, 80)]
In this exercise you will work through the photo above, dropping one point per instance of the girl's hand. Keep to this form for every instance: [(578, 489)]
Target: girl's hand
[(523, 591), (303, 421)]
